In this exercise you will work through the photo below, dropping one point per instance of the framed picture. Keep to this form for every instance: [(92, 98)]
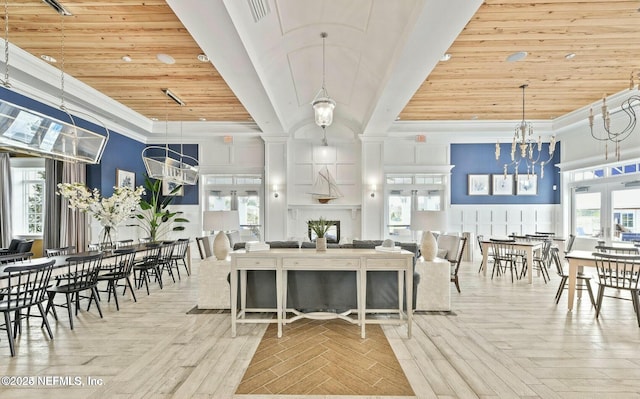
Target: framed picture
[(502, 185), (527, 185), (478, 184), (124, 178), (169, 186)]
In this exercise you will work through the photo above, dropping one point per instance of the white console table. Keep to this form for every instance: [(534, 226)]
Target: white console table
[(434, 290), (360, 261)]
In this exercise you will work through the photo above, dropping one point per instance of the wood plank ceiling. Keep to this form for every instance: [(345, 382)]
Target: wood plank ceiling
[(100, 33), (477, 83)]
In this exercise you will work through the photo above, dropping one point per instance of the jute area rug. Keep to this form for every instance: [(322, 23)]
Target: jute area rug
[(324, 357)]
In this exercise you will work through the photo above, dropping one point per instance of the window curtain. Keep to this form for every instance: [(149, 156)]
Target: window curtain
[(73, 224), (5, 200), (53, 211)]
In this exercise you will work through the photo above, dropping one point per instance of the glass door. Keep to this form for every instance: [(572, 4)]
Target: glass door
[(588, 211)]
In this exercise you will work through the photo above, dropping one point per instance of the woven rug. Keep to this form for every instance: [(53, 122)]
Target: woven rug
[(326, 357)]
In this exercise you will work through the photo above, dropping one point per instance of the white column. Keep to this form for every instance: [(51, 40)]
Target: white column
[(372, 173), (275, 172)]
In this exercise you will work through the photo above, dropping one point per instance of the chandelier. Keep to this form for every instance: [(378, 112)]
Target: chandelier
[(25, 131), (165, 164), (525, 149), (609, 134), (322, 104)]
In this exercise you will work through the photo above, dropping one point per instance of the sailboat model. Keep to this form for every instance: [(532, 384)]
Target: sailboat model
[(325, 188)]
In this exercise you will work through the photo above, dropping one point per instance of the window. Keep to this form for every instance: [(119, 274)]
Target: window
[(236, 192), (28, 199), (407, 192)]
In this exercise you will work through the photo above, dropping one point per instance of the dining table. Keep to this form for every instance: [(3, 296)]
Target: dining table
[(528, 247), (578, 260), (60, 265)]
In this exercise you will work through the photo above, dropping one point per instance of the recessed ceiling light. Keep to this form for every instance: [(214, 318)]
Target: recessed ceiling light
[(165, 58), (397, 118), (518, 56), (474, 117), (569, 56), (202, 119), (445, 57), (126, 58), (203, 58), (48, 58), (153, 118)]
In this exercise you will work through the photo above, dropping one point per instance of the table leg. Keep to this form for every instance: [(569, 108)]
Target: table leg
[(400, 292), (409, 278), (285, 289), (529, 251), (573, 273), (279, 300), (189, 258), (234, 299), (361, 295), (485, 256)]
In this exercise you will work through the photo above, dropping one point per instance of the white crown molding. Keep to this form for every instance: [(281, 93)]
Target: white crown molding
[(36, 79)]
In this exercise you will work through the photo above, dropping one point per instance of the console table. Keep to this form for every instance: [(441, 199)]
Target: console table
[(359, 261)]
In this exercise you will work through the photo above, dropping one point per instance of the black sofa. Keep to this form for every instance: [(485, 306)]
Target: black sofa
[(327, 291)]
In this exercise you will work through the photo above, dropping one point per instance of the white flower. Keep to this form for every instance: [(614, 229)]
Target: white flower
[(108, 211)]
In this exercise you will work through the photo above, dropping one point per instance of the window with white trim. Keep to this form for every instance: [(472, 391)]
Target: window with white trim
[(27, 196)]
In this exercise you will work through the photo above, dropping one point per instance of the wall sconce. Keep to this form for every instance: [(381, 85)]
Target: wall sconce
[(275, 191), (373, 191)]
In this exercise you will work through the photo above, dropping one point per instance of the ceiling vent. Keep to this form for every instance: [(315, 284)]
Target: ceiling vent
[(259, 9), (59, 8)]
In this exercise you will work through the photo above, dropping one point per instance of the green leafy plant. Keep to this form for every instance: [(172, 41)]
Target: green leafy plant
[(320, 226), (155, 218)]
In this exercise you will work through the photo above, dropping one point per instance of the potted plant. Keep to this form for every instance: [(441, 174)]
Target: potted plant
[(320, 228), (155, 218)]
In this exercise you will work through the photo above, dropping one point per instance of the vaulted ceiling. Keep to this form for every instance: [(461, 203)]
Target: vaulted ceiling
[(382, 57)]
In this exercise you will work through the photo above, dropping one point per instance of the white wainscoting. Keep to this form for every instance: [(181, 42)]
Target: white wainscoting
[(502, 220)]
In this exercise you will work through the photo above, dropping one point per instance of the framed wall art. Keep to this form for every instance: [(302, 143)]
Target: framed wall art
[(168, 188), (527, 185), (502, 185), (478, 184), (124, 178)]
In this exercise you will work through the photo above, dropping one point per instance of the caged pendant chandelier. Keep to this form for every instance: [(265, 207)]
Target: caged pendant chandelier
[(23, 130), (525, 149), (168, 165), (323, 105), (608, 133)]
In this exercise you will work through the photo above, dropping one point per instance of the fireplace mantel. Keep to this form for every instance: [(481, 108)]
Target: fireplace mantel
[(354, 208)]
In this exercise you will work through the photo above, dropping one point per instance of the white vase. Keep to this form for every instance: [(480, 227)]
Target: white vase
[(221, 246), (321, 244), (428, 246)]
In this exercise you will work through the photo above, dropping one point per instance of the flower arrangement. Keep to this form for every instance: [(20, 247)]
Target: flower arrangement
[(110, 212)]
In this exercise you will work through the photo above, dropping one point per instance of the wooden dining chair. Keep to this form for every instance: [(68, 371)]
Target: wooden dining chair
[(68, 250), (26, 287), (179, 255), (620, 273), (115, 269), (81, 276), (613, 249), (503, 257)]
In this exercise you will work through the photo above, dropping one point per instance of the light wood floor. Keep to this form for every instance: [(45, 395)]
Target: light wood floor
[(504, 341)]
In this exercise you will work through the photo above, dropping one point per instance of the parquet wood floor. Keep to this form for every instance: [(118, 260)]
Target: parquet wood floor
[(324, 358), (504, 341)]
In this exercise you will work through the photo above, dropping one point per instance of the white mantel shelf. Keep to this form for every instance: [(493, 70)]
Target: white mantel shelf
[(354, 208)]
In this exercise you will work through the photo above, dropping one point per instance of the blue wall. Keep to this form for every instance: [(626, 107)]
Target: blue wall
[(121, 152), (480, 159)]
